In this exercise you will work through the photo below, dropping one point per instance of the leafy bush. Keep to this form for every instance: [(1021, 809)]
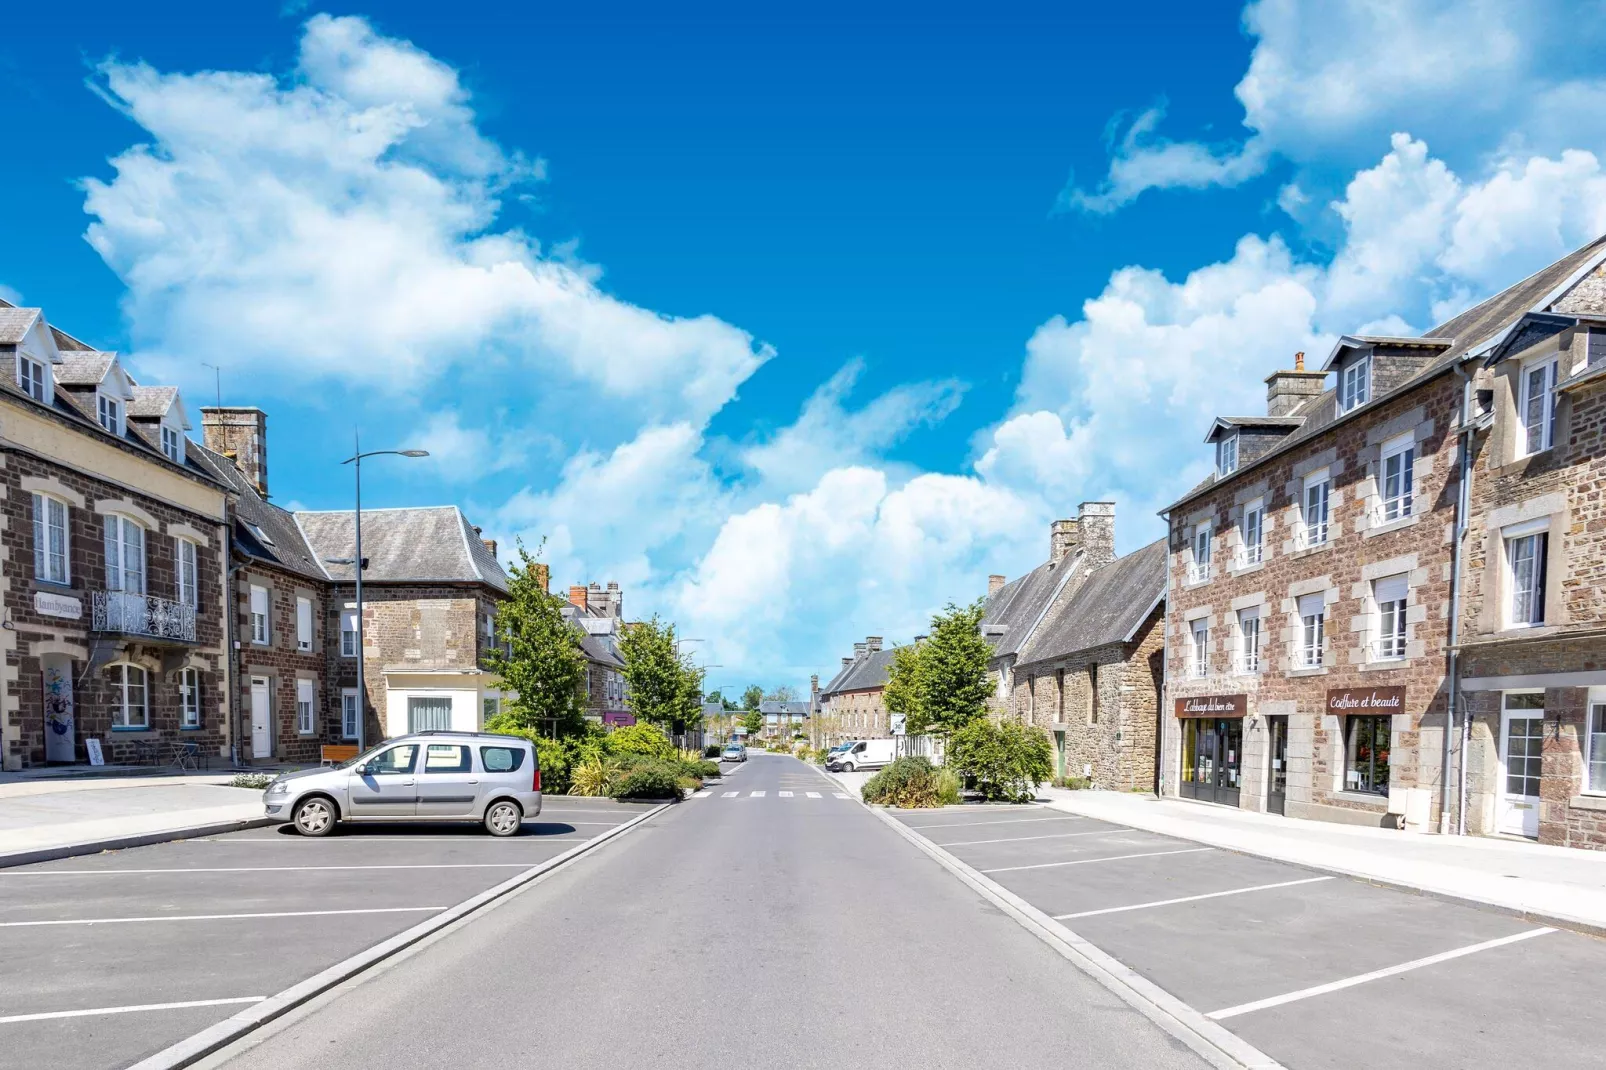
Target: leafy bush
[(641, 739), (907, 782), (948, 787), (648, 780), (701, 768), (259, 781), (1073, 783), (711, 751), (593, 777), (1002, 761)]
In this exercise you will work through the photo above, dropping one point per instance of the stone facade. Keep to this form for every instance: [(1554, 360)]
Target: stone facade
[(274, 668)]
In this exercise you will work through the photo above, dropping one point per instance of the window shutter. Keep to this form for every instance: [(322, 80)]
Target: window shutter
[(1312, 604), (304, 622), (1390, 589)]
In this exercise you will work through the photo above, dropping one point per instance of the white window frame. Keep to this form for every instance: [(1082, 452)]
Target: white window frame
[(1355, 383), (261, 609), (349, 712), (1399, 501), (33, 377), (124, 541), (1227, 454), (1547, 366), (1199, 569), (306, 707), (303, 623), (1595, 743), (123, 710), (50, 563), (1389, 626), (1511, 540), (1312, 648), (1318, 534), (186, 573), (172, 444), (109, 412), (348, 635), (1253, 551), (1199, 649), (1249, 639), (189, 698)]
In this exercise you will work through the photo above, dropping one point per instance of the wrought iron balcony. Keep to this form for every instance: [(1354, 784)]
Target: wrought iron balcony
[(122, 613)]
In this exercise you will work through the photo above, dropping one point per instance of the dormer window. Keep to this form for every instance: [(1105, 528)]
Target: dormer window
[(110, 412), (32, 377), (1355, 384), (1227, 455), (172, 445)]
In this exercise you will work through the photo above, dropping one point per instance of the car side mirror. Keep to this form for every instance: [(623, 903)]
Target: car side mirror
[(362, 770)]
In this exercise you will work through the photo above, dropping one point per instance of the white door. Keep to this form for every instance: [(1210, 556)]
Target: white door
[(1522, 737), (261, 718)]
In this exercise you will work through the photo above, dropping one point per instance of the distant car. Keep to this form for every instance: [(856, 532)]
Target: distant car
[(733, 752), (862, 754), (427, 776)]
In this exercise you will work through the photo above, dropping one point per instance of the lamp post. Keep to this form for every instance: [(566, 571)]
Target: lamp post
[(355, 460)]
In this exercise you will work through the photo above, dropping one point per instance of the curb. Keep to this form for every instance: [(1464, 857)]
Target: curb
[(1560, 921), (118, 843), (208, 1041), (1210, 1041)]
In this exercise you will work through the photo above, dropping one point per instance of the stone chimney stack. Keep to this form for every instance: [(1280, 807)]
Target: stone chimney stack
[(577, 597), (1063, 539), (995, 583), (1288, 390), (239, 433), (1096, 522), (616, 601), (814, 694), (846, 662), (872, 643), (858, 651)]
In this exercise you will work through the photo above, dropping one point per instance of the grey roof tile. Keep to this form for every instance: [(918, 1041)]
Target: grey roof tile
[(431, 543), (868, 672), (1103, 608), (1008, 617), (152, 401), (264, 531), (84, 367), (15, 323)]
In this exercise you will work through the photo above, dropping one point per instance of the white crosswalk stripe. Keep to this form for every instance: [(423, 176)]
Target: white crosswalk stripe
[(757, 795), (784, 794), (813, 794), (729, 794), (840, 795)]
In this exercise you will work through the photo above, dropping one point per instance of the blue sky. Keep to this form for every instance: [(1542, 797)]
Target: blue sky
[(797, 321)]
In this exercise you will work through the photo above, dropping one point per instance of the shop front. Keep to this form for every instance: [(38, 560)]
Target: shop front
[(1212, 747)]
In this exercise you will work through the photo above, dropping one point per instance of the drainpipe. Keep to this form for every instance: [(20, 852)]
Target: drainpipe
[(1452, 669), (231, 610), (1165, 670)]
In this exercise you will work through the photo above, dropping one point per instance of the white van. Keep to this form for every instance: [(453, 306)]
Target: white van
[(865, 754)]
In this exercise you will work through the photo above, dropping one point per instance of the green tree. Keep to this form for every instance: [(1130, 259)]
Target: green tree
[(537, 654), (726, 704), (665, 688), (752, 697), (941, 685), (902, 693), (784, 693), (753, 721), (1004, 761)]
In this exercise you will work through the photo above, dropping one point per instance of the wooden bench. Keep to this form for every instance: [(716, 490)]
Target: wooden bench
[(335, 753)]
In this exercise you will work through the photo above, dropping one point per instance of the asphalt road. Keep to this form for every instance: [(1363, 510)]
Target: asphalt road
[(107, 958), (767, 923)]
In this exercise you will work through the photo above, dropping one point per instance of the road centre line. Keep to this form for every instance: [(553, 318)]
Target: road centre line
[(1107, 858), (1000, 821), (1187, 899), (91, 1012), (249, 869), (219, 917), (1044, 836), (1390, 971)]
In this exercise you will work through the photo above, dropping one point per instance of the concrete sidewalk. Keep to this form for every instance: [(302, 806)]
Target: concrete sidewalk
[(1562, 885), (45, 819)]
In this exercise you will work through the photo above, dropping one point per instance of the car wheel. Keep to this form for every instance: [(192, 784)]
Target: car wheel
[(315, 816), (848, 768), (503, 818)]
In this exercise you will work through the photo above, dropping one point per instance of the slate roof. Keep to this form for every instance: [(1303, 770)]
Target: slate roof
[(867, 673), (1019, 603), (1479, 325), (594, 648), (152, 401), (1104, 607), (776, 707), (280, 542), (15, 323), (414, 545), (83, 367)]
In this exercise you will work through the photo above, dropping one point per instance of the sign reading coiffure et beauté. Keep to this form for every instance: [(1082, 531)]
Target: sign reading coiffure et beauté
[(1366, 700), (1213, 706)]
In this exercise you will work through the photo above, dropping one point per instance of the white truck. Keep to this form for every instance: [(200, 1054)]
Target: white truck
[(864, 754)]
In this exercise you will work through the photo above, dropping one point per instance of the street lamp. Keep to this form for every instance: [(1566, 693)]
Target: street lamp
[(355, 460)]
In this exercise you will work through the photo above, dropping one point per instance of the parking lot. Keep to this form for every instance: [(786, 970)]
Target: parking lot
[(1314, 970), (156, 943)]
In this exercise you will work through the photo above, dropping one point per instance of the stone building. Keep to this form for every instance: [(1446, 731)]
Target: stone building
[(851, 705), (1014, 608), (1309, 604), (599, 614), (114, 557)]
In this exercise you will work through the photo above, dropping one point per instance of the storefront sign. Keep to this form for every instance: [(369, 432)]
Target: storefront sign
[(618, 718), (1366, 700), (1213, 706), (57, 605)]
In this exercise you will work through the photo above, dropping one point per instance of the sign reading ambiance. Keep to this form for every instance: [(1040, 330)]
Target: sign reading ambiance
[(1213, 706), (1366, 700)]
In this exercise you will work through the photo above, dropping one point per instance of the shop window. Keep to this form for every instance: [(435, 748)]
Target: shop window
[(1366, 754)]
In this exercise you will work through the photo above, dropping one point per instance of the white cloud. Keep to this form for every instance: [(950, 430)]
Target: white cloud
[(1328, 79), (465, 454), (335, 224)]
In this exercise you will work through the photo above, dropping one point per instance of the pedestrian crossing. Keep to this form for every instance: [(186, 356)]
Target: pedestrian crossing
[(708, 793)]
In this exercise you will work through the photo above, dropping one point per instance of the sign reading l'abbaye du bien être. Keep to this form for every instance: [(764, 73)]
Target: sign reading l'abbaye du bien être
[(1213, 706), (1366, 700)]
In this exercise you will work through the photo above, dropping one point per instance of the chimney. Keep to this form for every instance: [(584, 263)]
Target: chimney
[(1096, 522), (543, 576), (872, 643), (858, 651), (577, 597), (1288, 390), (616, 601), (490, 544), (846, 662), (1063, 539), (995, 583), (239, 433)]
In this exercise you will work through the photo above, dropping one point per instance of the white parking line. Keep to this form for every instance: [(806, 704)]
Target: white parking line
[(220, 917), (1107, 858), (90, 1012), (729, 794), (1044, 836), (1390, 971), (812, 794), (757, 795), (1000, 821), (1188, 899), (249, 869), (784, 794)]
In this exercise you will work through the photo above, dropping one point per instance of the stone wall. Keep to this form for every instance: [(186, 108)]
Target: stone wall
[(281, 664)]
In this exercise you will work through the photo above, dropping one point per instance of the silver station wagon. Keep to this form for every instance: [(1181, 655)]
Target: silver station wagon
[(427, 776)]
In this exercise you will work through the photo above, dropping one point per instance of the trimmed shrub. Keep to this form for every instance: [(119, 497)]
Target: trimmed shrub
[(711, 751), (1002, 761), (908, 782), (641, 739), (259, 781), (648, 780)]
